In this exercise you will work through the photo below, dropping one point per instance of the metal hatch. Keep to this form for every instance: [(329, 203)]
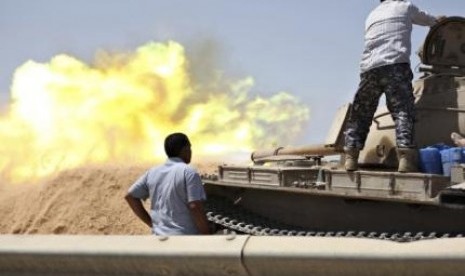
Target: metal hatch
[(445, 44)]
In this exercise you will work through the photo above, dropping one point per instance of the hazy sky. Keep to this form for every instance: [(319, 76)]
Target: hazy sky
[(308, 48)]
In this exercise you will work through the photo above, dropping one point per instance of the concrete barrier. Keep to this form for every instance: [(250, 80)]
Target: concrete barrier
[(122, 255), (226, 255), (353, 256)]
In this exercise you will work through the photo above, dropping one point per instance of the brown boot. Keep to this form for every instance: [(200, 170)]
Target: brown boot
[(351, 159), (407, 160)]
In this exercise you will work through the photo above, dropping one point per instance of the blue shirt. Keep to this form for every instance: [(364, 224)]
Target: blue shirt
[(170, 188), (388, 31)]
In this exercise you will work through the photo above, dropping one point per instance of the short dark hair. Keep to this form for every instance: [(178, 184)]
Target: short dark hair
[(174, 143)]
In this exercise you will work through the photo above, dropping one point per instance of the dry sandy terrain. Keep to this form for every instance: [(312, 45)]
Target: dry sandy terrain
[(87, 200)]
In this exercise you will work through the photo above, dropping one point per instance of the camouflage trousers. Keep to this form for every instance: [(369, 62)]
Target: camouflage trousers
[(395, 81)]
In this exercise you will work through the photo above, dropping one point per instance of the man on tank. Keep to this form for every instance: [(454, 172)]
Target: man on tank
[(175, 191), (385, 68)]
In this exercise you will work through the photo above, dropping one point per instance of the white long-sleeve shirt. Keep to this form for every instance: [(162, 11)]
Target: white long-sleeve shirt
[(388, 31)]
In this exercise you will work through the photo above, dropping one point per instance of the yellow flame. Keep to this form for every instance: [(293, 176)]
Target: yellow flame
[(66, 113)]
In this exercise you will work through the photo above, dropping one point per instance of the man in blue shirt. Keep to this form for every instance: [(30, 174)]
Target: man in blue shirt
[(175, 190)]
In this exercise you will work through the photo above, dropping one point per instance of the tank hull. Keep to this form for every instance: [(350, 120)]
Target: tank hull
[(317, 212)]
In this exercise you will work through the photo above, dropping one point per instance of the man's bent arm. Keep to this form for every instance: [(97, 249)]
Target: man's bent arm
[(200, 219), (138, 209)]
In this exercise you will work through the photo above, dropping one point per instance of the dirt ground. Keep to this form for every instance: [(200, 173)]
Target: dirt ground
[(87, 200)]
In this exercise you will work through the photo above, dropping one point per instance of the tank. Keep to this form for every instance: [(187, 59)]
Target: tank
[(305, 191)]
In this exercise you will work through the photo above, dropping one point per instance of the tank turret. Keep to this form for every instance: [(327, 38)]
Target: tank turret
[(439, 102)]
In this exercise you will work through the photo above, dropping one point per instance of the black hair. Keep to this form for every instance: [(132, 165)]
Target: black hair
[(174, 143)]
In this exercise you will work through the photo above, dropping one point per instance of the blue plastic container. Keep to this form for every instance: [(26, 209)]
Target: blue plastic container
[(430, 160), (450, 157)]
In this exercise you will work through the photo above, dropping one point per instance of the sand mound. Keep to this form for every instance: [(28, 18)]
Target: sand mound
[(88, 200)]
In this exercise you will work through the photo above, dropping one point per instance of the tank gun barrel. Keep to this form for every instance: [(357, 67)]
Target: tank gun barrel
[(318, 149)]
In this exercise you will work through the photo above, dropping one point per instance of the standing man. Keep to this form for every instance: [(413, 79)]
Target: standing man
[(385, 68), (175, 191)]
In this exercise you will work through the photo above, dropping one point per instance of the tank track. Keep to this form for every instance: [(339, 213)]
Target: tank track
[(235, 219)]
